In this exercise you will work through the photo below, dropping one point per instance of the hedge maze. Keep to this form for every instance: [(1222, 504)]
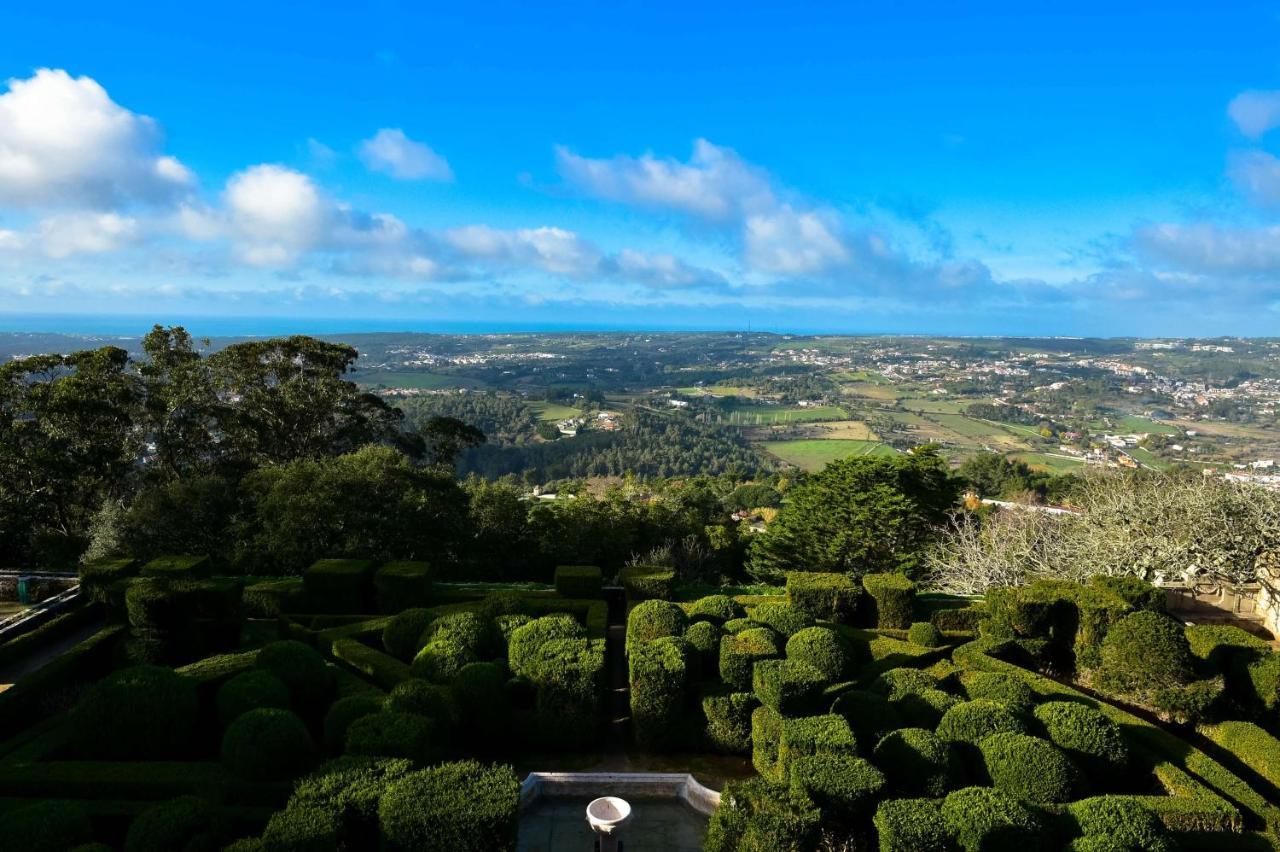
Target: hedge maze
[(370, 706)]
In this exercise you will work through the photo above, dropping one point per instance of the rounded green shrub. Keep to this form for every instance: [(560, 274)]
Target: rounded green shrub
[(250, 690), (917, 762), (869, 714), (973, 721), (342, 713), (267, 744), (522, 649), (740, 651), (728, 716), (400, 636), (925, 634), (659, 679), (310, 680), (302, 829), (149, 712), (1092, 739), (737, 625), (506, 625), (783, 618), (756, 816), (896, 683), (472, 630), (479, 693), (824, 649), (1123, 821), (1030, 768), (48, 826), (385, 734), (349, 788), (244, 844), (454, 807), (188, 823), (924, 709), (654, 619), (912, 825), (1012, 692), (1145, 652), (985, 820), (718, 608), (704, 638), (503, 602), (441, 660), (843, 786), (425, 699)]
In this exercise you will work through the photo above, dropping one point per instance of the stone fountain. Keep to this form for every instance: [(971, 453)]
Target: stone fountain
[(607, 816)]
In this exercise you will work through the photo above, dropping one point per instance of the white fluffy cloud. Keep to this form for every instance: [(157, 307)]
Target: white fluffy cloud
[(550, 249), (63, 141), (663, 271), (790, 242), (392, 152), (1257, 173), (1255, 112), (276, 214)]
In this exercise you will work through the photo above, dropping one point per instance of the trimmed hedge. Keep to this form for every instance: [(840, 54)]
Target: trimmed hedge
[(844, 787), (479, 691), (1123, 822), (756, 816), (719, 609), (1250, 669), (135, 713), (178, 567), (788, 686), (578, 581), (925, 634), (812, 735), (964, 619), (1134, 591), (568, 674), (454, 807), (402, 635), (383, 669), (302, 828), (973, 721), (1093, 741), (442, 660), (740, 651), (1145, 652), (728, 716), (176, 621), (267, 744), (916, 761), (825, 595), (346, 791), (704, 638), (187, 823), (248, 691), (647, 582), (274, 598), (402, 585), (737, 625), (659, 680), (100, 580), (766, 736), (654, 619), (824, 650), (425, 699), (912, 825), (310, 680), (1012, 692), (869, 714), (472, 630), (387, 734), (522, 649), (339, 585), (896, 683), (342, 713), (783, 618), (50, 826), (924, 709), (1253, 746), (1030, 768), (894, 599), (987, 820)]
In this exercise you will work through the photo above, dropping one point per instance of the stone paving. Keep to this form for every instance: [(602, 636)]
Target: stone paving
[(657, 825)]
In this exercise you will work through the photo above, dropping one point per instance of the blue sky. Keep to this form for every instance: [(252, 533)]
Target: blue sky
[(791, 166)]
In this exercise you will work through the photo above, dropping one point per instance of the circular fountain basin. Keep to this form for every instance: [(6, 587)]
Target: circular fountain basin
[(608, 814)]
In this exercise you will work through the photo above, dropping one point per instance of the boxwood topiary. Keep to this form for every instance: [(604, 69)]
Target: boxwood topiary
[(827, 595), (896, 683), (1012, 692), (402, 634), (647, 582), (654, 619), (737, 625), (766, 736), (578, 581), (973, 721), (310, 680), (348, 789), (704, 638), (1092, 739), (1123, 821), (301, 828), (387, 734), (267, 744), (912, 825), (808, 735), (472, 630), (718, 608), (1145, 652), (740, 651), (454, 807), (339, 585), (788, 686), (244, 844), (342, 713), (479, 692), (526, 640), (755, 816), (924, 709), (187, 823), (986, 820), (47, 826), (248, 691), (441, 660), (894, 598), (144, 712), (1030, 768), (568, 674), (916, 761), (925, 634), (844, 787), (502, 602), (869, 714), (824, 649), (728, 716), (1134, 591), (403, 585), (659, 678), (785, 619), (425, 699)]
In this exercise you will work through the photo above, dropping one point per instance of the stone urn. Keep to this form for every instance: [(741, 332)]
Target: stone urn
[(607, 816)]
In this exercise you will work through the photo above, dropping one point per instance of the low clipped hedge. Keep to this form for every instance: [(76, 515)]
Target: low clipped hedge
[(342, 713), (728, 716), (1093, 741), (788, 686), (983, 819), (173, 621), (187, 823), (1012, 692), (846, 788), (339, 585), (871, 715), (1252, 745), (390, 734), (402, 634), (268, 744), (654, 619), (441, 660), (578, 581), (783, 618), (659, 681), (719, 609), (49, 826), (143, 712), (973, 721), (740, 651), (894, 599), (1145, 652), (100, 580), (1119, 822), (522, 649), (757, 815), (737, 625), (454, 807), (912, 825), (812, 735), (310, 680), (174, 567), (824, 650), (383, 669), (964, 619), (402, 585), (916, 761), (1032, 769), (825, 595), (925, 634), (647, 582), (250, 690)]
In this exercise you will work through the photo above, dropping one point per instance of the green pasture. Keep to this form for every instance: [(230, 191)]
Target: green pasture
[(815, 454)]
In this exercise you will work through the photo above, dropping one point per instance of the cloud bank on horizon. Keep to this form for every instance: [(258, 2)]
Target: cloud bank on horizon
[(99, 213)]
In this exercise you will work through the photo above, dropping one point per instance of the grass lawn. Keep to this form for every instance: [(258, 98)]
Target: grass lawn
[(765, 415), (814, 455), (854, 430), (1148, 458), (1050, 463), (420, 381), (932, 406), (870, 390), (718, 390), (553, 411), (1138, 425)]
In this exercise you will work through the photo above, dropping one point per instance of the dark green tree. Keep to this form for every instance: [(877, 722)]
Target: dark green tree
[(182, 410)]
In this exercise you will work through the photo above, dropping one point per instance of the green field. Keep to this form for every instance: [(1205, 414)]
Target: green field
[(1137, 425), (770, 415), (417, 381), (553, 411), (717, 390), (932, 406), (813, 455), (1148, 458), (1052, 464)]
